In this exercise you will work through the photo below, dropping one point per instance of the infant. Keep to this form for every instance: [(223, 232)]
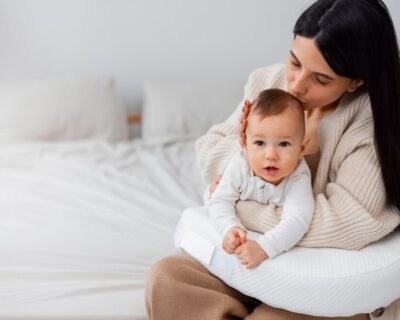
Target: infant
[(269, 169)]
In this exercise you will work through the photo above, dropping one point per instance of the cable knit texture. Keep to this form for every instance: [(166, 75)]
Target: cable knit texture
[(350, 202)]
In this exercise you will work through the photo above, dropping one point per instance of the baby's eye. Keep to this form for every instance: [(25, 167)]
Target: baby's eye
[(284, 144), (259, 143)]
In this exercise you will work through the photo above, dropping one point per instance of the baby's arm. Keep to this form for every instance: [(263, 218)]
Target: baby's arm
[(221, 206), (297, 211)]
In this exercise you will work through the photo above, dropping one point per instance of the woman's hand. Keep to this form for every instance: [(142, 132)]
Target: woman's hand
[(243, 122), (214, 184)]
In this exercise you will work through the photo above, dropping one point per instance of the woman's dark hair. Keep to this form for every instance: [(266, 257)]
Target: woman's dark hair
[(358, 40)]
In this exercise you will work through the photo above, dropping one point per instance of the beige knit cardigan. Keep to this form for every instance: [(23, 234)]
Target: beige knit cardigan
[(350, 202)]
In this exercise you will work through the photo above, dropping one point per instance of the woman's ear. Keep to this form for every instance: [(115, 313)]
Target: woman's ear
[(354, 85)]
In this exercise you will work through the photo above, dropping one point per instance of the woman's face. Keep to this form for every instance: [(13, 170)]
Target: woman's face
[(310, 78)]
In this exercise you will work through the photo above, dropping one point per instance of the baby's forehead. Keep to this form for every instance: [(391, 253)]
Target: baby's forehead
[(289, 114), (282, 124)]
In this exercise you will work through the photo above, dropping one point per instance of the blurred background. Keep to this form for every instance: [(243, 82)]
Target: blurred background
[(139, 40)]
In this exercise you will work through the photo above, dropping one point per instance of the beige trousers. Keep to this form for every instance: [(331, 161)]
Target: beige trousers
[(178, 287)]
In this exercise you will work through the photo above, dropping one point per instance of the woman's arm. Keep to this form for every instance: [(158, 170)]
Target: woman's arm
[(352, 211), (217, 146)]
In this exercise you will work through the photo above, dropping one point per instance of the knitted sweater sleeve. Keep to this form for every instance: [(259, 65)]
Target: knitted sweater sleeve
[(352, 211), (221, 142)]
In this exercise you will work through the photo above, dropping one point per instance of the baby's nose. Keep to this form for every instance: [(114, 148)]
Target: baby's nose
[(271, 154)]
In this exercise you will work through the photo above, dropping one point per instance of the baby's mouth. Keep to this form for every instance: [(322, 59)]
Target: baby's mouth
[(271, 169)]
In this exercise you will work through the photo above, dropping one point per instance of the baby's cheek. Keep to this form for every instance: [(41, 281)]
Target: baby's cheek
[(291, 164)]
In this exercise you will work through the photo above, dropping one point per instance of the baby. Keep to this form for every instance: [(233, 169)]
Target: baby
[(269, 169)]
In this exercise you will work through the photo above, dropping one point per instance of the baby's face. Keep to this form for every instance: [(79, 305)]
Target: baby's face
[(274, 144)]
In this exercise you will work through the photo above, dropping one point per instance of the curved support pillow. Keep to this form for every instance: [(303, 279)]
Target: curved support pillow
[(316, 281)]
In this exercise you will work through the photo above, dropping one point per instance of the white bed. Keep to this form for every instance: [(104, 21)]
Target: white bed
[(82, 222), (85, 212)]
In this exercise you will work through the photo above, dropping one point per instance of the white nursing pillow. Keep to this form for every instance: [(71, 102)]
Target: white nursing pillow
[(322, 282)]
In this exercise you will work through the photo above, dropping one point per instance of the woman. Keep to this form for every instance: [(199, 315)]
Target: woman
[(344, 66)]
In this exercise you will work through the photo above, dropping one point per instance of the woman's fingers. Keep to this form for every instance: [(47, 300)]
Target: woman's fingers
[(243, 122), (245, 111), (243, 127), (214, 184), (246, 108)]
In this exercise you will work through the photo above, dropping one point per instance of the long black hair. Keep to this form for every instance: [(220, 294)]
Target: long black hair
[(358, 40)]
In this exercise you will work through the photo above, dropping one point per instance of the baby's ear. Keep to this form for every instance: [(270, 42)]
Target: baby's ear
[(303, 146)]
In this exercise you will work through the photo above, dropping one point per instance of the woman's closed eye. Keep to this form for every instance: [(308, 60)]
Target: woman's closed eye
[(321, 82), (295, 64)]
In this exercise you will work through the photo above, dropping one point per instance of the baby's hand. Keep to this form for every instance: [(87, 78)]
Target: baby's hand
[(251, 254), (233, 238)]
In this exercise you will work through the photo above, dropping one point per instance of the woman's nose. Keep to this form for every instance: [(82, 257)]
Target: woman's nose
[(298, 87)]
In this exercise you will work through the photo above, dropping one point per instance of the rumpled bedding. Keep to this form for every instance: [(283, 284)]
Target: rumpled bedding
[(82, 222)]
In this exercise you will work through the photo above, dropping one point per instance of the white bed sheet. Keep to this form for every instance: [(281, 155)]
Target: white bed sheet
[(82, 222)]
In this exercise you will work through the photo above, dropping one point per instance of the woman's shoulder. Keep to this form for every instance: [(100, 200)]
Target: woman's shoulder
[(270, 71), (351, 129), (272, 76), (353, 119), (358, 113)]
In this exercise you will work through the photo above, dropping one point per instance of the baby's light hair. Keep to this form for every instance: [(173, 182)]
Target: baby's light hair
[(272, 102)]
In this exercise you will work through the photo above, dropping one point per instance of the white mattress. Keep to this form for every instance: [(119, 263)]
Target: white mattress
[(81, 223), (322, 282)]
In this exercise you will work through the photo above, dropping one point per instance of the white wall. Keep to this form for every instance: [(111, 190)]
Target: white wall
[(136, 40)]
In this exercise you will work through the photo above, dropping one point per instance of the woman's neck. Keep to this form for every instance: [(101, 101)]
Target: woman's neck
[(313, 121), (322, 112)]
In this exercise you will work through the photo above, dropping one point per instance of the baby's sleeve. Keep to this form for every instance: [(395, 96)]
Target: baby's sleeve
[(221, 206), (296, 216)]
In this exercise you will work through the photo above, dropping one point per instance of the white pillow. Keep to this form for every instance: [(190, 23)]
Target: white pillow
[(181, 111), (323, 282), (61, 110)]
